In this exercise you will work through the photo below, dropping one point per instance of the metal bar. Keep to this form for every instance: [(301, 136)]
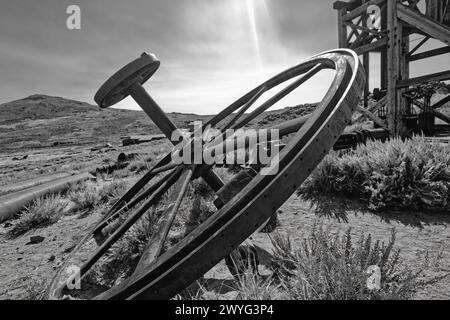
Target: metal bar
[(98, 231), (130, 221), (280, 95), (245, 108), (156, 243), (152, 109), (12, 203)]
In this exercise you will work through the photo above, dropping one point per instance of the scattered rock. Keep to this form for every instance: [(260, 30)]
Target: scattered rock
[(36, 239), (7, 225), (51, 258)]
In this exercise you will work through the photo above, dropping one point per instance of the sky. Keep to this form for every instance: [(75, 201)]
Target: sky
[(211, 51)]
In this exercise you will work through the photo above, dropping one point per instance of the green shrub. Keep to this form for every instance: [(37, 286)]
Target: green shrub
[(402, 174), (43, 212)]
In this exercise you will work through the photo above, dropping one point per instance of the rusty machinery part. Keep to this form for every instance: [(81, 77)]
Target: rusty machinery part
[(161, 276), (116, 88), (12, 203)]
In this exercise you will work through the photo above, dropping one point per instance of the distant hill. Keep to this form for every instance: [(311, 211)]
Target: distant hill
[(40, 106), (42, 121)]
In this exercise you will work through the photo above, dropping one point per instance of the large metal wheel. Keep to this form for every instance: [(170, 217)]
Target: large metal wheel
[(161, 276)]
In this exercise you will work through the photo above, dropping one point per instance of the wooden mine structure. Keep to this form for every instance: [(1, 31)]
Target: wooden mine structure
[(385, 27)]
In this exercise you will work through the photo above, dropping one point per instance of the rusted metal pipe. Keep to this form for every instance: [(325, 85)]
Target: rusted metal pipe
[(12, 203)]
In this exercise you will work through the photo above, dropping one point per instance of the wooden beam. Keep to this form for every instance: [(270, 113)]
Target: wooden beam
[(342, 29), (439, 76), (371, 116), (361, 9), (354, 26), (383, 50), (366, 64), (417, 47), (373, 108), (422, 22), (441, 102), (347, 5), (437, 114), (354, 30), (403, 104), (394, 118), (374, 46), (429, 54)]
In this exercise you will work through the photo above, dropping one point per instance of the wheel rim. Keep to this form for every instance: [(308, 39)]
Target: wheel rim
[(239, 218)]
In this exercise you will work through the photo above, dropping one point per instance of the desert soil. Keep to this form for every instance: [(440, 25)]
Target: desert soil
[(27, 268)]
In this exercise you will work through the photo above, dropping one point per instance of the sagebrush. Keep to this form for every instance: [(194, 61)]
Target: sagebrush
[(400, 174)]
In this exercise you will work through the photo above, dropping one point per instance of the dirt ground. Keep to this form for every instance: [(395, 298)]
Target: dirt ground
[(27, 268)]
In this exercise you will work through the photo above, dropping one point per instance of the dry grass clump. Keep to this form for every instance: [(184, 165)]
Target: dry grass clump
[(337, 268), (328, 266), (123, 257), (400, 174), (42, 212), (86, 197)]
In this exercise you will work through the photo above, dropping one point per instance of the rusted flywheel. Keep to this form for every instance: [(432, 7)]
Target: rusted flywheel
[(161, 276)]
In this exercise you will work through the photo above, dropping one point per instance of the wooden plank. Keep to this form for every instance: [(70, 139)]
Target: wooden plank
[(366, 64), (441, 102), (436, 113), (403, 104), (374, 46), (357, 27), (424, 23), (361, 10), (439, 76), (371, 116), (392, 113), (429, 54), (374, 108), (383, 51), (354, 30), (417, 47), (342, 30)]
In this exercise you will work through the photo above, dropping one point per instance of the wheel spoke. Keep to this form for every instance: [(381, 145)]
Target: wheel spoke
[(137, 186), (280, 95), (245, 108), (168, 182), (99, 233), (156, 243)]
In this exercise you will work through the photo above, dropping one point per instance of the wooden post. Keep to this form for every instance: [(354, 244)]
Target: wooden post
[(383, 54), (366, 64), (404, 74), (342, 29), (394, 112)]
